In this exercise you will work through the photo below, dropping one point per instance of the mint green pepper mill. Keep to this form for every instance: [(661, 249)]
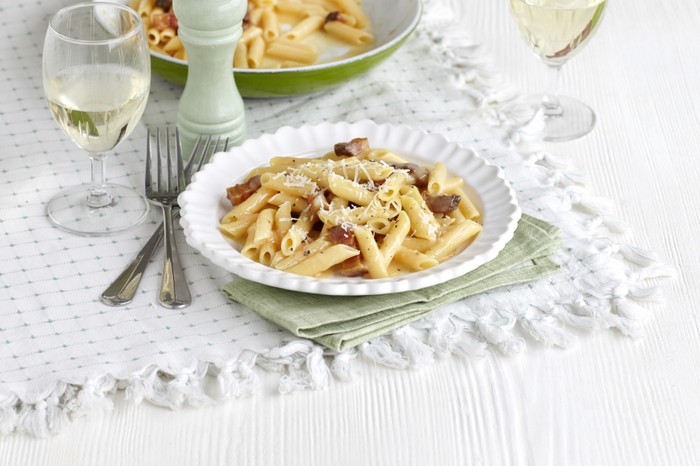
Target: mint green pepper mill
[(210, 102)]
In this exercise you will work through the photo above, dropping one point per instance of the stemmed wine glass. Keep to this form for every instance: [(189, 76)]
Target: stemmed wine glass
[(97, 75), (556, 30)]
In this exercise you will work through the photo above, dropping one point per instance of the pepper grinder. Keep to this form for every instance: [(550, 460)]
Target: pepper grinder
[(210, 102)]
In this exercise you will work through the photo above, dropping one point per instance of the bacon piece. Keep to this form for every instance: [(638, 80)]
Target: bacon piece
[(317, 201), (352, 267), (442, 204), (166, 5), (375, 185), (242, 191), (418, 173), (332, 16), (353, 148), (165, 20), (341, 234)]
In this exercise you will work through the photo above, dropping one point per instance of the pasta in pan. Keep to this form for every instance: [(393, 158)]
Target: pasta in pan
[(276, 33), (356, 211)]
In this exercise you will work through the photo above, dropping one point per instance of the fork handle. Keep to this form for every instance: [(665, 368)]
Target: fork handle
[(174, 292), (122, 290)]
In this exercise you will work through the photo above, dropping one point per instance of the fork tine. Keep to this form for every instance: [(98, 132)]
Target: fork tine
[(159, 163), (169, 159), (204, 157), (180, 168), (149, 181), (193, 155), (226, 145)]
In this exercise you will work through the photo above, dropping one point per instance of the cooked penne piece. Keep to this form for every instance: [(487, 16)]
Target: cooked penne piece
[(328, 5), (423, 223), (268, 251), (284, 50), (167, 34), (256, 15), (240, 56), (452, 183), (283, 262), (297, 234), (173, 45), (304, 28), (437, 178), (419, 244), (263, 2), (300, 9), (391, 188), (348, 33), (353, 9), (270, 25), (453, 238), (371, 254), (324, 260), (256, 50), (254, 203), (466, 206), (143, 7), (395, 237), (379, 226), (300, 186), (236, 227), (249, 34), (283, 218), (298, 204), (153, 37), (263, 226), (250, 249), (415, 260), (349, 190)]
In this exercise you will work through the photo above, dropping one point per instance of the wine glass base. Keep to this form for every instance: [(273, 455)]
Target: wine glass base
[(573, 120), (69, 211)]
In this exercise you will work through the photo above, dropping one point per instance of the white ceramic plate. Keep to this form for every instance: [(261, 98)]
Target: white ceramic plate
[(204, 203)]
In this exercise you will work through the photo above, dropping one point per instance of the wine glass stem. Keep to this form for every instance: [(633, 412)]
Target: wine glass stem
[(550, 101), (98, 196)]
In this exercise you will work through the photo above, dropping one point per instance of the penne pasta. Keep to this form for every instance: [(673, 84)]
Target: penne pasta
[(324, 260), (270, 25), (353, 9), (453, 238), (294, 33), (284, 50), (348, 33), (256, 50), (305, 28), (240, 56), (437, 178), (349, 212)]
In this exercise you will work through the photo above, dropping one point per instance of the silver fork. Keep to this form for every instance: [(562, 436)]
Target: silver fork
[(174, 292), (123, 289)]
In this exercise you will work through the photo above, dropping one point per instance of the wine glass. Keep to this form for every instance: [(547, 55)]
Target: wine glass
[(556, 30), (97, 74)]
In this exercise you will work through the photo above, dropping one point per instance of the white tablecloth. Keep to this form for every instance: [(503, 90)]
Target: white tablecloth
[(611, 401)]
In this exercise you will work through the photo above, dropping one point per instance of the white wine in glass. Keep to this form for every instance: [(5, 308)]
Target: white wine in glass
[(96, 70), (556, 30)]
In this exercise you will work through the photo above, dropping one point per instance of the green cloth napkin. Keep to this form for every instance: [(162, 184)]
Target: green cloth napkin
[(340, 323)]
